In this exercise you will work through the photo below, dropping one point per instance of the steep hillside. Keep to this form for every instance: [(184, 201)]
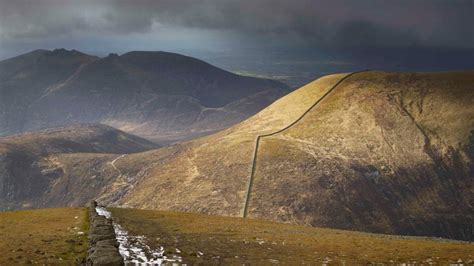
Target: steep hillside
[(380, 152), (29, 167), (158, 95), (383, 152), (23, 80)]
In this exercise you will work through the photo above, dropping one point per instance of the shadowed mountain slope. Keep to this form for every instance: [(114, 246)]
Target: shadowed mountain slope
[(29, 164), (23, 80), (383, 152), (158, 95)]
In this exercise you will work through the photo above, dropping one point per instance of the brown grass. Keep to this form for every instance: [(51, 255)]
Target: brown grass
[(236, 241), (46, 236)]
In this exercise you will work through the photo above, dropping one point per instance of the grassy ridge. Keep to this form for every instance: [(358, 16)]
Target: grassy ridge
[(202, 238), (384, 153), (45, 236)]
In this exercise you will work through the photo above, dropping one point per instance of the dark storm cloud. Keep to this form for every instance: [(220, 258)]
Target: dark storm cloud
[(324, 23)]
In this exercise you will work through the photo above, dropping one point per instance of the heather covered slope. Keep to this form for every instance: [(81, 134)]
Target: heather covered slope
[(157, 95)]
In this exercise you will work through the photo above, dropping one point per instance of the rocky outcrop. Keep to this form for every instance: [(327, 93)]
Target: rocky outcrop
[(103, 246)]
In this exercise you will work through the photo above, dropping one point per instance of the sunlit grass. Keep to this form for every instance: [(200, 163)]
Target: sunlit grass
[(45, 236), (204, 238)]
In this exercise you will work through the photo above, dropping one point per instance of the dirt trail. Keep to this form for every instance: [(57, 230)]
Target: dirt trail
[(112, 163)]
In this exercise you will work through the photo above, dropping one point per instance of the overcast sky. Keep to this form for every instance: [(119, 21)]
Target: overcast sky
[(100, 26)]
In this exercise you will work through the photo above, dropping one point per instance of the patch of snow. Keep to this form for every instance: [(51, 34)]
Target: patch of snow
[(326, 261), (134, 249)]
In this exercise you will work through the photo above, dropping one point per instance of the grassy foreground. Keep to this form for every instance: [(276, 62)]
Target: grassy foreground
[(45, 236), (202, 238)]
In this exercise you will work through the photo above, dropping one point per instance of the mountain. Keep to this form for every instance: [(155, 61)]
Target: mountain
[(374, 151), (383, 152), (23, 80), (161, 96), (29, 164)]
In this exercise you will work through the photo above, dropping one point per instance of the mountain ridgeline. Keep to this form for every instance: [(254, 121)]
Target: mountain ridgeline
[(161, 96), (380, 152)]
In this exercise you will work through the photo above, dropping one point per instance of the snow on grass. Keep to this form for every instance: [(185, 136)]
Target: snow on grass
[(134, 249)]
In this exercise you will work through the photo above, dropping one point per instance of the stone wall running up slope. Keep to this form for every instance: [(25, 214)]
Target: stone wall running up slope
[(385, 152)]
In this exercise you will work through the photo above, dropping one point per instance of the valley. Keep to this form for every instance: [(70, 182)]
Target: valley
[(383, 152)]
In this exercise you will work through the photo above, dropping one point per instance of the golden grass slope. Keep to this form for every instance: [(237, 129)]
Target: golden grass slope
[(215, 169), (44, 236), (385, 152), (204, 239)]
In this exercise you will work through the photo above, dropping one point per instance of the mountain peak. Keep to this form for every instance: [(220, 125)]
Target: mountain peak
[(159, 57), (38, 51), (68, 53), (32, 55)]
